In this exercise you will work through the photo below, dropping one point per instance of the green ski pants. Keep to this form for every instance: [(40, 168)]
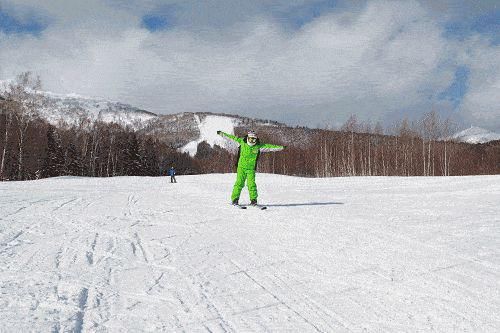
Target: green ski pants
[(241, 176)]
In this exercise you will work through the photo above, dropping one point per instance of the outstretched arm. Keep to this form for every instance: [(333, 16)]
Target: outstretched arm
[(267, 147), (231, 137)]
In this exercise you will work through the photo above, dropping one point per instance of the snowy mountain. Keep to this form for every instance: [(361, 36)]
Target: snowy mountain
[(350, 254), (183, 130), (186, 130), (71, 109), (209, 124), (476, 135)]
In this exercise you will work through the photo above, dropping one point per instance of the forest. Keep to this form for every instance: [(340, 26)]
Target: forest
[(31, 148)]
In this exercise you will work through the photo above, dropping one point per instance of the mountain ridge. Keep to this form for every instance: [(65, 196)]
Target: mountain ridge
[(182, 130), (475, 135)]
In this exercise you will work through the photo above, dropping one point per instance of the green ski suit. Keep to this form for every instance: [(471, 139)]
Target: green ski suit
[(247, 164)]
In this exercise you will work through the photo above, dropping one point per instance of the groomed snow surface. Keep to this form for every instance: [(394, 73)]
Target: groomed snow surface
[(329, 255)]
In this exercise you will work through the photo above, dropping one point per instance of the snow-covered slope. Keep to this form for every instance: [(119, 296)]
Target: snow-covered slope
[(208, 124), (329, 255), (476, 135), (186, 130), (208, 128), (71, 109)]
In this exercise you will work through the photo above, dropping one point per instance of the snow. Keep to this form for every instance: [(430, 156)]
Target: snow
[(476, 135), (329, 255), (54, 95), (208, 132), (71, 108)]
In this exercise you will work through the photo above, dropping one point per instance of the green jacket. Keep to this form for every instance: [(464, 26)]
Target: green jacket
[(250, 154)]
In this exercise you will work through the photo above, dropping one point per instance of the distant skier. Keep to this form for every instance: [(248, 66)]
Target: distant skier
[(171, 173), (250, 149)]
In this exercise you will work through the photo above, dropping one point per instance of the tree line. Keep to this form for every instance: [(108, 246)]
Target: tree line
[(420, 148), (31, 148)]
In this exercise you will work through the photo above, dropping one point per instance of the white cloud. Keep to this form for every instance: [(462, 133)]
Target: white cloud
[(390, 56), (481, 104)]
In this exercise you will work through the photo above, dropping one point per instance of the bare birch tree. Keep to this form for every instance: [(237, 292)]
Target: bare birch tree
[(24, 102), (4, 111)]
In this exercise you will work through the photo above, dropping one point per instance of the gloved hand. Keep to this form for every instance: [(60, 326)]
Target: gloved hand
[(219, 132)]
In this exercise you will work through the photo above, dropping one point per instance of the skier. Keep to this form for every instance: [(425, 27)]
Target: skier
[(171, 173), (250, 149)]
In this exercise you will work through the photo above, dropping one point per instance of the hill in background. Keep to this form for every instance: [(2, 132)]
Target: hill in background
[(47, 135)]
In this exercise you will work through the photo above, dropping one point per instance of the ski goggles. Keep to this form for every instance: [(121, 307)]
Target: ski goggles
[(252, 140)]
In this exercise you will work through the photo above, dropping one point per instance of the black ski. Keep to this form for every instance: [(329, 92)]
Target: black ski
[(257, 207)]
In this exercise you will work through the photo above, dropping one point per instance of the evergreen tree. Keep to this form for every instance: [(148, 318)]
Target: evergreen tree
[(150, 159), (132, 157), (204, 151), (73, 163), (54, 159)]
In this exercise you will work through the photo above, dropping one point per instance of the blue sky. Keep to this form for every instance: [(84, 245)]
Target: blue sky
[(155, 23), (457, 90), (299, 61), (487, 24), (9, 24)]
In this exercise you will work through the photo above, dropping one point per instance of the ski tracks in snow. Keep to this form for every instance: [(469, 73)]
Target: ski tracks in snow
[(71, 282), (136, 254)]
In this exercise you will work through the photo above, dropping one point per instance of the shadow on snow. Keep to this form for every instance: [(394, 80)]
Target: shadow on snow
[(306, 204)]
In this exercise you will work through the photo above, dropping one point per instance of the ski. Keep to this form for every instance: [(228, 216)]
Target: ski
[(257, 207), (260, 207)]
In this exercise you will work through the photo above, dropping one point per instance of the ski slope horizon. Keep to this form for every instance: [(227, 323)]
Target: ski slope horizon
[(347, 254)]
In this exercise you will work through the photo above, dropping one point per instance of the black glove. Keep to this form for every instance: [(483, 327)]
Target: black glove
[(284, 147), (219, 132)]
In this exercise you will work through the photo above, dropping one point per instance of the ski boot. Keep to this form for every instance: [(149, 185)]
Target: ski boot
[(237, 204)]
